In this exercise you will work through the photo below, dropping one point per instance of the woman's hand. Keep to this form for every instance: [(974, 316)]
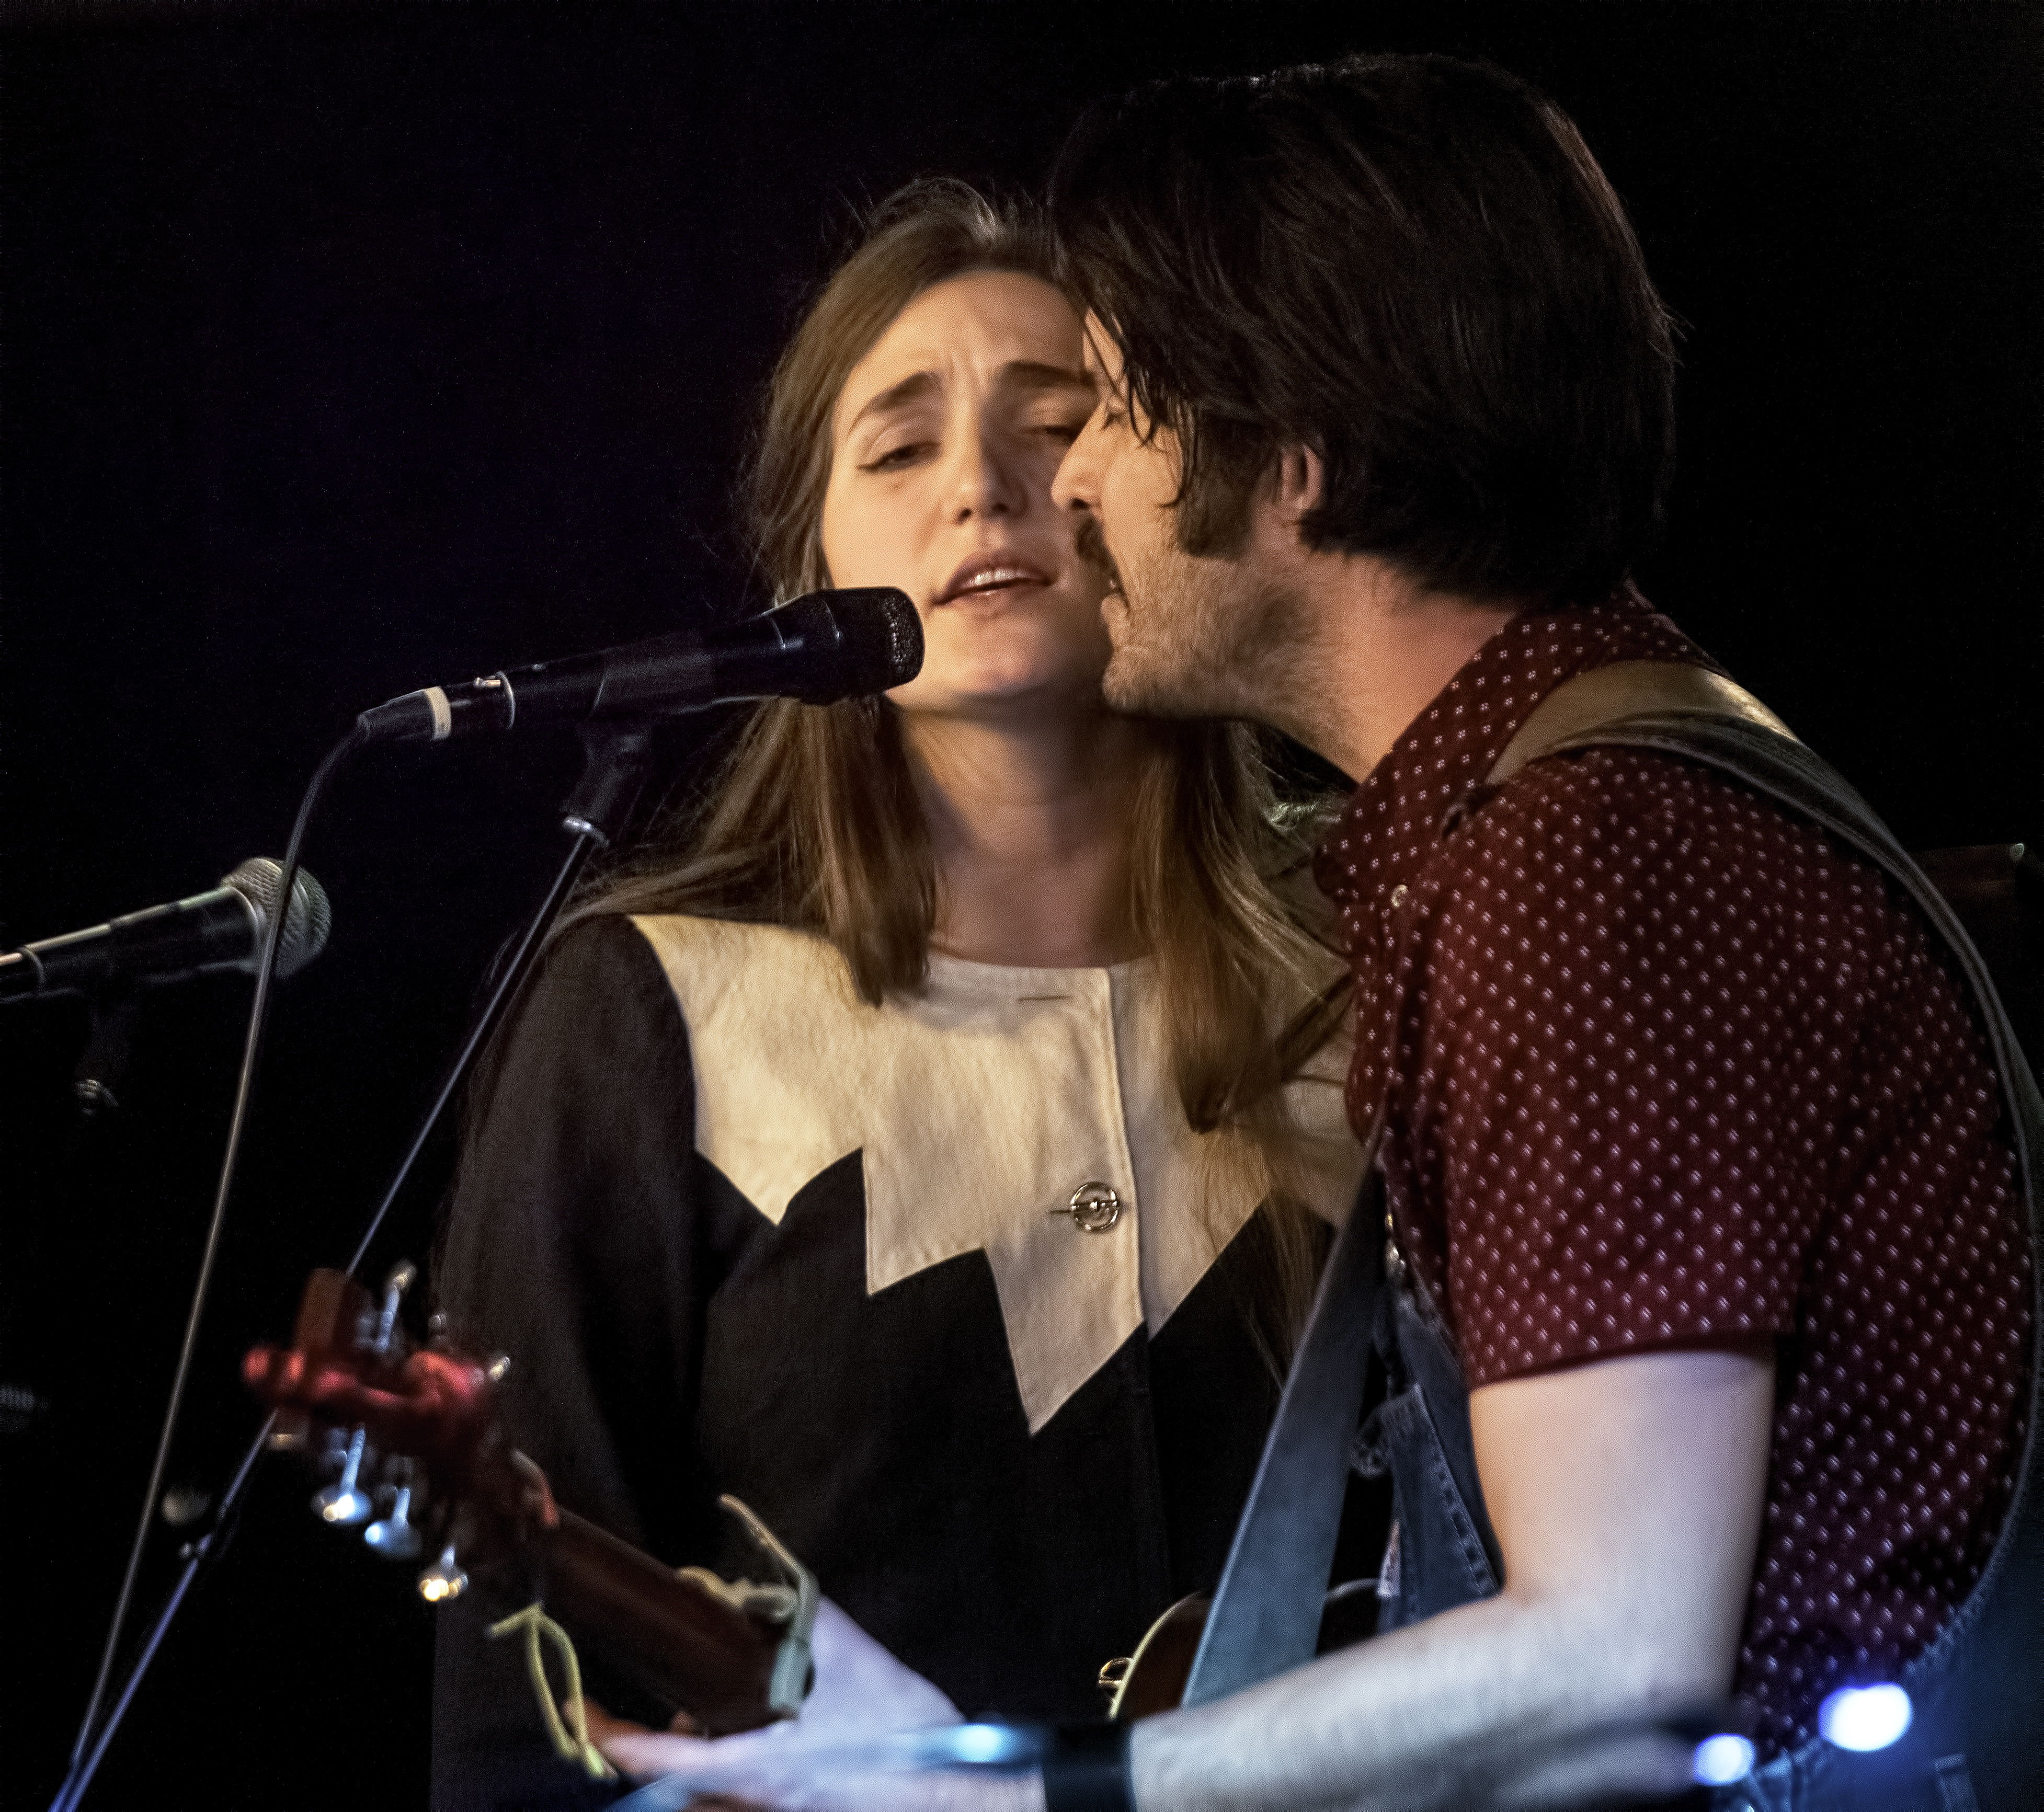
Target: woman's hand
[(862, 1693)]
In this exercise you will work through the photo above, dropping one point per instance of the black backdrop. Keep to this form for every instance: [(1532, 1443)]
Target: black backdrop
[(352, 346)]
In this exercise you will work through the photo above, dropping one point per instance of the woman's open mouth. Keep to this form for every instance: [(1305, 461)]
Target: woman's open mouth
[(986, 575)]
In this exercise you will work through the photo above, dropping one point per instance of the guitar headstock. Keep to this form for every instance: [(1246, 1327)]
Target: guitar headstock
[(411, 1432)]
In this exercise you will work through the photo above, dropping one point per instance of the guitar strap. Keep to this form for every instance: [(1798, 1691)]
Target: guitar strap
[(1971, 1687), (1265, 1616)]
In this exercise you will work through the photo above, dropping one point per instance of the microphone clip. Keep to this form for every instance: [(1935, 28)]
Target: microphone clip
[(617, 758), (102, 1066)]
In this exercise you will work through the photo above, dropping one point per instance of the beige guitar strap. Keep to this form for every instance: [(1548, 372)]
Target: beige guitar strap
[(1581, 706)]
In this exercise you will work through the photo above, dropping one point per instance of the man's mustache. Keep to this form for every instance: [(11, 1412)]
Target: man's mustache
[(1093, 550)]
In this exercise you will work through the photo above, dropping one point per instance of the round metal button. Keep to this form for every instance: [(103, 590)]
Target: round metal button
[(1095, 1208)]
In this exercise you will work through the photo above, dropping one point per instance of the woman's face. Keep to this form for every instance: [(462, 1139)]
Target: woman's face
[(943, 444)]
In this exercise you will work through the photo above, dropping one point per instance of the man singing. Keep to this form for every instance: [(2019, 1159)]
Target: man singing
[(1699, 1169)]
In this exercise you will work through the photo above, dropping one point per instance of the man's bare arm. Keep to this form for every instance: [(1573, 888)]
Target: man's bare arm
[(1626, 1496)]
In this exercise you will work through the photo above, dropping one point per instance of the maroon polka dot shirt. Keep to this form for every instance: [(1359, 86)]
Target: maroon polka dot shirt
[(1661, 1064)]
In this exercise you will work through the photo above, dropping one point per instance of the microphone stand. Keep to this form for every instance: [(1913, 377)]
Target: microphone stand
[(618, 757)]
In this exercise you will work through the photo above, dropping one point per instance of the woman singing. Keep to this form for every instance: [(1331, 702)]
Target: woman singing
[(926, 1147)]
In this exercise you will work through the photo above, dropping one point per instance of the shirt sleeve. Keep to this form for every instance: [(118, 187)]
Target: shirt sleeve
[(1636, 1055), (572, 1246)]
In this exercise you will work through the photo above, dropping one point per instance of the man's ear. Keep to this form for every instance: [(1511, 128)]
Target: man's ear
[(1300, 479)]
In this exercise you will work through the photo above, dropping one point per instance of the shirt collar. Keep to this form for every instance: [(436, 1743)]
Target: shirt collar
[(1395, 819)]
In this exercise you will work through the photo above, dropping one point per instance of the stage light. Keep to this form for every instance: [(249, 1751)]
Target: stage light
[(1721, 1760), (1865, 1717), (983, 1743)]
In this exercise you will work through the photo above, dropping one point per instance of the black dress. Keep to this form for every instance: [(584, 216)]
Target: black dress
[(740, 1232)]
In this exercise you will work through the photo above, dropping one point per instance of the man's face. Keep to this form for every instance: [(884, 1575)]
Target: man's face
[(1193, 636)]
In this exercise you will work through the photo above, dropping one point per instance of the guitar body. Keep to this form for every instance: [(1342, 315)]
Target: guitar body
[(1155, 1678)]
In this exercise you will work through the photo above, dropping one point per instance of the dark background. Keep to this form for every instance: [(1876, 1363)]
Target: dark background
[(350, 347)]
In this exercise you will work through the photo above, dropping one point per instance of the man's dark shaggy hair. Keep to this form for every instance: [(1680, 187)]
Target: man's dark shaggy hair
[(1411, 265)]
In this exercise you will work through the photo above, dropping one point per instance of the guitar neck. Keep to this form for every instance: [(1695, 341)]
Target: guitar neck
[(666, 1635)]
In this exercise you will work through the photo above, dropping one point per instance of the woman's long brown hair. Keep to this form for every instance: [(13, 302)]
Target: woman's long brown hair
[(814, 820)]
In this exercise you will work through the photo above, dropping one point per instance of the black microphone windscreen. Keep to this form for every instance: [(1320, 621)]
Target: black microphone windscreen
[(886, 649), (862, 640)]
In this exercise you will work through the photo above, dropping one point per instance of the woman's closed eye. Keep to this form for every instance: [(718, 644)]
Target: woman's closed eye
[(895, 457)]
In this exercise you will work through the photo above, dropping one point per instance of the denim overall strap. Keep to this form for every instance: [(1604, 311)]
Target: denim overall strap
[(1976, 1742), (1441, 1553)]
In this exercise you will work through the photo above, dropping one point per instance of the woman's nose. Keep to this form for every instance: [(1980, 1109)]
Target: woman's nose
[(986, 482)]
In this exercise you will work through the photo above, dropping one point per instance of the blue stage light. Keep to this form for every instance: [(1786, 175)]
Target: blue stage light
[(981, 1744), (1721, 1760), (1865, 1717)]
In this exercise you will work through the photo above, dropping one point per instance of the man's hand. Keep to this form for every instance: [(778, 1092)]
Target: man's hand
[(862, 1693)]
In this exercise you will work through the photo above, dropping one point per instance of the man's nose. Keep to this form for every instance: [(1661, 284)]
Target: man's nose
[(1075, 484)]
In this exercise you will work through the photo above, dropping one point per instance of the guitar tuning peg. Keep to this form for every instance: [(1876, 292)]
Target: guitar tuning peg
[(343, 1503), (443, 1579), (402, 1274), (395, 1536), (498, 1367)]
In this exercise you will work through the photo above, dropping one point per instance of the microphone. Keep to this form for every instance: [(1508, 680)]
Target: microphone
[(222, 929), (821, 647)]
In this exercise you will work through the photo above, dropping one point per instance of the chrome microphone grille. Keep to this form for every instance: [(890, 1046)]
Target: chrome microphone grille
[(306, 925)]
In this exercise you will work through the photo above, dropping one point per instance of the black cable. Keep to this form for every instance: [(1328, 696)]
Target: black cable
[(85, 1761), (206, 1548), (259, 1013), (509, 985), (596, 814)]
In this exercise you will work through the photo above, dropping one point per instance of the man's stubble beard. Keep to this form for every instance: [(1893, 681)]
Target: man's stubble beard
[(1207, 640)]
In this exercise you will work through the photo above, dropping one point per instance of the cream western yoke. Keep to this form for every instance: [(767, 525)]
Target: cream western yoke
[(978, 1109)]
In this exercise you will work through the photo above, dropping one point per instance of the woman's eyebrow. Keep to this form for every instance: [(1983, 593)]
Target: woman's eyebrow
[(911, 389), (1026, 374)]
